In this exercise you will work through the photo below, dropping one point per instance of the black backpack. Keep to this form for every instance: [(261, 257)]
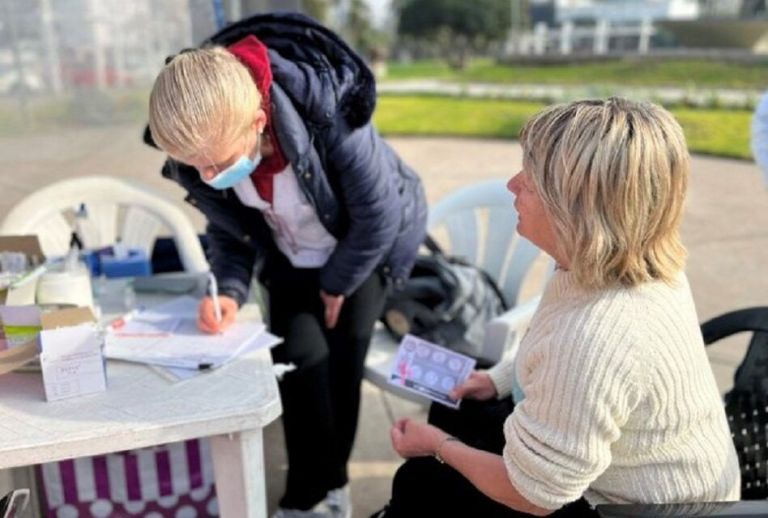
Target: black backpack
[(446, 301), (746, 404)]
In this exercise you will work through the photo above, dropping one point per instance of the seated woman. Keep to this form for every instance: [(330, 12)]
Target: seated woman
[(615, 401)]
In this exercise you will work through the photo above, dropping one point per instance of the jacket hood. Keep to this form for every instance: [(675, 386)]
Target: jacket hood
[(322, 75)]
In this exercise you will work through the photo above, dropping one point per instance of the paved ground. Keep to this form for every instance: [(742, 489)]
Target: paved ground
[(726, 231)]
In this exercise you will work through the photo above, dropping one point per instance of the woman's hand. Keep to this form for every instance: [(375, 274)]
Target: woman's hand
[(478, 386), (415, 439), (206, 316), (333, 305)]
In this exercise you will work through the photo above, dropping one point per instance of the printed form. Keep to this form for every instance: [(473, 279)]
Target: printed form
[(167, 335)]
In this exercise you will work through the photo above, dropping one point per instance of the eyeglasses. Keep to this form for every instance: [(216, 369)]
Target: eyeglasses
[(14, 503)]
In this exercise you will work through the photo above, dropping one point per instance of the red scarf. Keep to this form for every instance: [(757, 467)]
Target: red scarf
[(253, 54)]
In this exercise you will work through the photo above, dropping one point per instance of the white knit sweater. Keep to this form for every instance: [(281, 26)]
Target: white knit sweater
[(620, 401)]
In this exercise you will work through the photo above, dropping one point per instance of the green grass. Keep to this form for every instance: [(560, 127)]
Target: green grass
[(452, 116), (40, 116), (45, 114), (625, 72), (715, 132), (710, 131)]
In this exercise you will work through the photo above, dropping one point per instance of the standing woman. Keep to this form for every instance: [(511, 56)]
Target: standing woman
[(759, 135), (614, 397), (268, 129)]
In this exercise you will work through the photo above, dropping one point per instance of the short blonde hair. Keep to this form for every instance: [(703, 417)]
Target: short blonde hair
[(201, 99), (613, 176)]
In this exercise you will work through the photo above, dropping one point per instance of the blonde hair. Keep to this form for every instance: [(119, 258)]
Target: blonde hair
[(201, 99), (613, 176)]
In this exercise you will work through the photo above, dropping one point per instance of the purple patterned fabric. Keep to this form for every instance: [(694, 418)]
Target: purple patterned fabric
[(169, 480)]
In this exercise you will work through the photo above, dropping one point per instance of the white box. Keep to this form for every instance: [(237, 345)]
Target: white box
[(70, 354)]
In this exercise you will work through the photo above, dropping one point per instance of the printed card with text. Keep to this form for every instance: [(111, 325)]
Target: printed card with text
[(71, 361), (430, 369)]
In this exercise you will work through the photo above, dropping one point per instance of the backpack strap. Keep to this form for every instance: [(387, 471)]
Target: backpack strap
[(435, 249), (432, 246)]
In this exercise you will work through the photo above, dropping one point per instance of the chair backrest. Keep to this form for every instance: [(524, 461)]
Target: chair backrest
[(481, 225), (116, 208)]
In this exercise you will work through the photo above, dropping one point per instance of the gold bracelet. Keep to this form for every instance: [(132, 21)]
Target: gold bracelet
[(437, 455)]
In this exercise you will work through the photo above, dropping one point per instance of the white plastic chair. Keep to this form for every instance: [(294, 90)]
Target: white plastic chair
[(116, 208), (479, 222)]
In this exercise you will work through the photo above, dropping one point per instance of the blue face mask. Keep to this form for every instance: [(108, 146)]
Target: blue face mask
[(235, 173)]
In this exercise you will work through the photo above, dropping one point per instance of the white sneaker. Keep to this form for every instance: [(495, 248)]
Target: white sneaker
[(298, 513), (338, 503)]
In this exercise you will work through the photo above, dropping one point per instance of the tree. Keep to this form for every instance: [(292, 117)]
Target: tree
[(358, 29), (457, 26), (317, 9)]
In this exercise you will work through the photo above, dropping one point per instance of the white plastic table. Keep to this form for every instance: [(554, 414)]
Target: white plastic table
[(230, 405)]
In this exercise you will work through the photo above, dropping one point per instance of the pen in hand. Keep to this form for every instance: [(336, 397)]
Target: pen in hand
[(217, 311), (213, 288)]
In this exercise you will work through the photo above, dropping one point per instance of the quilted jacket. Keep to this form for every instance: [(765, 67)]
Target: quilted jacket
[(322, 99)]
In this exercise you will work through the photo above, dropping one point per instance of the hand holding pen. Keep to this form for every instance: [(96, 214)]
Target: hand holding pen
[(216, 312), (213, 289)]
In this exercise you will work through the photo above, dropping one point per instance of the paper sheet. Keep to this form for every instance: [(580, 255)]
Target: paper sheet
[(167, 335), (179, 374), (429, 369)]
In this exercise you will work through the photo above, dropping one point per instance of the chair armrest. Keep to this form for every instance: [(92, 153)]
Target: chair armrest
[(746, 508), (504, 332)]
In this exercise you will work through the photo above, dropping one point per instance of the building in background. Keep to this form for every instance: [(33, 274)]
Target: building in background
[(597, 27), (605, 27), (724, 24), (623, 12)]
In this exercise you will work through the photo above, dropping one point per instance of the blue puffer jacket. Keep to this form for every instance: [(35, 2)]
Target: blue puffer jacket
[(323, 97)]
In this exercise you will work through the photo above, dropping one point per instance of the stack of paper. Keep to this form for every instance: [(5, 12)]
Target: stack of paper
[(167, 336)]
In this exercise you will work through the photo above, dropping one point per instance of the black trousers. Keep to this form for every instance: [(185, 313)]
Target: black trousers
[(424, 487), (321, 398)]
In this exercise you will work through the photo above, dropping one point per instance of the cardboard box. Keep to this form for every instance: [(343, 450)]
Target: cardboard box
[(19, 329), (68, 344), (12, 359), (132, 263)]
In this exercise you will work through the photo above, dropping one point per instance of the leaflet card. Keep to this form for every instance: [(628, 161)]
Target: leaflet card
[(430, 369)]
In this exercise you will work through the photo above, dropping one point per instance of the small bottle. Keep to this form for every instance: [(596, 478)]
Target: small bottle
[(72, 258), (86, 228)]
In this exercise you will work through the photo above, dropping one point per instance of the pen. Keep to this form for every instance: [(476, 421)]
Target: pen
[(158, 334), (120, 322), (213, 288)]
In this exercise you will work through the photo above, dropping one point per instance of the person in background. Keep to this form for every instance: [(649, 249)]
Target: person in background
[(614, 398), (759, 137), (269, 130)]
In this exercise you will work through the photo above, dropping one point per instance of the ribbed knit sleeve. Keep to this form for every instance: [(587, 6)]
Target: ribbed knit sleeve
[(502, 374), (618, 397)]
